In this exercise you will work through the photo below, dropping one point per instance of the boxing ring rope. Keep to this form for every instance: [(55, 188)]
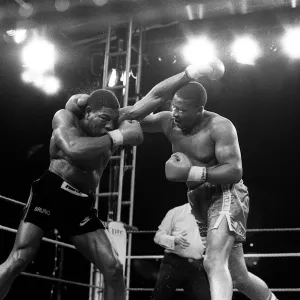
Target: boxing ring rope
[(245, 255), (248, 230), (129, 257), (61, 280), (44, 239), (235, 290)]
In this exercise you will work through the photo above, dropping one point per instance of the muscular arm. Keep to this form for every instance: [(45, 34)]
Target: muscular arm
[(166, 89), (156, 122), (227, 151), (76, 104), (160, 93), (67, 137)]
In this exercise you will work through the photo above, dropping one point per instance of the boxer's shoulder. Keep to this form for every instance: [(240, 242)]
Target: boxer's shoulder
[(166, 121), (64, 118), (216, 121)]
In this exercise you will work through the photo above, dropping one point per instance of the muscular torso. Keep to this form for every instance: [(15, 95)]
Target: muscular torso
[(198, 145), (83, 175)]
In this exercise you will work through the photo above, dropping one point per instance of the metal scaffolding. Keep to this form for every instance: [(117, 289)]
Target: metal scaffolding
[(122, 58)]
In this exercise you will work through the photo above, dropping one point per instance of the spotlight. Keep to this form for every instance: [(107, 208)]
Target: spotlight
[(291, 42), (199, 50), (51, 85), (39, 56), (18, 35), (245, 50), (27, 77)]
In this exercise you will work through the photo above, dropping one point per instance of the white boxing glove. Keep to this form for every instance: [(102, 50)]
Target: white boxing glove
[(213, 69), (128, 133)]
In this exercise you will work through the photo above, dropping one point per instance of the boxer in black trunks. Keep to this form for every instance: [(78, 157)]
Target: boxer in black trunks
[(81, 144)]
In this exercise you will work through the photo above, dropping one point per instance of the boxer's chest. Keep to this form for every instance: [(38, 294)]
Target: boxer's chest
[(198, 147)]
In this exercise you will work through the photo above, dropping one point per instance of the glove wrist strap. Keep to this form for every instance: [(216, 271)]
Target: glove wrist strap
[(117, 137), (197, 174)]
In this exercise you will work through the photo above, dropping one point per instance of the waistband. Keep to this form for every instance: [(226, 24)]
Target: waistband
[(60, 182), (173, 255), (207, 185), (69, 188)]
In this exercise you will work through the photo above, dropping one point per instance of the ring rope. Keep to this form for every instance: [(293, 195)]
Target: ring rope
[(154, 231), (274, 255), (44, 238), (248, 230), (235, 290), (152, 256), (12, 200), (245, 255), (60, 280), (132, 289)]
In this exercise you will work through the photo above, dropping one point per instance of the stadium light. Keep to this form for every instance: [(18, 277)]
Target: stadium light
[(18, 35), (39, 56), (51, 85), (245, 50), (199, 50), (291, 42)]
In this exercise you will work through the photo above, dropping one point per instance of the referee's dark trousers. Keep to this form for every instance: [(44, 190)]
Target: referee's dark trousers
[(180, 272)]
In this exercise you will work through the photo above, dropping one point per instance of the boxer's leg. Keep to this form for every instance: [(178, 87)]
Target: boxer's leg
[(26, 246), (219, 245), (247, 283), (98, 249)]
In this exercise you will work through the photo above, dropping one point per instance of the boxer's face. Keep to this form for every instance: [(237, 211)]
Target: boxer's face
[(99, 122), (184, 113)]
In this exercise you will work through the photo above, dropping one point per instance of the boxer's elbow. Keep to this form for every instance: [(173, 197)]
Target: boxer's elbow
[(237, 172), (170, 176)]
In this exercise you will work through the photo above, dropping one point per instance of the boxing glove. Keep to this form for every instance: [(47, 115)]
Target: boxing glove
[(213, 69), (128, 133), (179, 168)]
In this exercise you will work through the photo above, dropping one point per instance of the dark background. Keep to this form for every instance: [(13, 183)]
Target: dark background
[(262, 101)]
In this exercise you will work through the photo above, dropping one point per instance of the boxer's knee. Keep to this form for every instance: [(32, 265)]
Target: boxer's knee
[(19, 259), (215, 261), (240, 282), (113, 271), (212, 264)]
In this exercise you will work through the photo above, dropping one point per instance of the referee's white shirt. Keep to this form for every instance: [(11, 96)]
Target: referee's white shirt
[(177, 221)]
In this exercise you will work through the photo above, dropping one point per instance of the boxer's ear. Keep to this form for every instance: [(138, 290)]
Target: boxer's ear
[(87, 110), (200, 110)]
